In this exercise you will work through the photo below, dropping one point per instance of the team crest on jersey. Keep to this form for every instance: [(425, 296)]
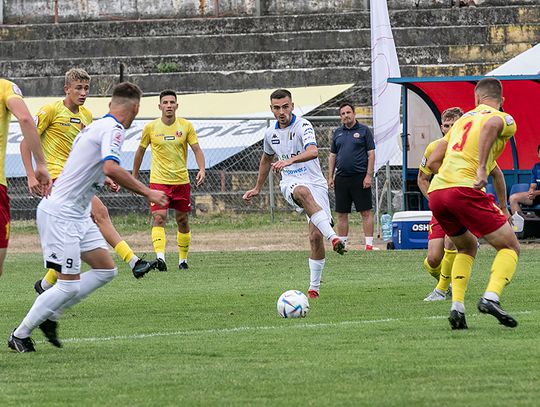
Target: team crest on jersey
[(509, 120), (356, 135), (179, 133), (17, 90)]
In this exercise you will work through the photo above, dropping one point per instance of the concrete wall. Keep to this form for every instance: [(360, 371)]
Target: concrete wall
[(43, 11)]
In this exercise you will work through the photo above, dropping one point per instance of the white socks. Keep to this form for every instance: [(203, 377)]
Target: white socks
[(46, 304), (91, 280), (322, 222), (458, 306), (160, 256), (133, 261), (369, 240), (490, 295), (315, 270)]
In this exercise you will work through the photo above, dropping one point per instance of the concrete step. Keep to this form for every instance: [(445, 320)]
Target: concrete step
[(306, 40), (528, 13), (359, 57)]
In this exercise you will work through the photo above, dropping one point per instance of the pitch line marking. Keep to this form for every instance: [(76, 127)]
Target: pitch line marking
[(251, 328)]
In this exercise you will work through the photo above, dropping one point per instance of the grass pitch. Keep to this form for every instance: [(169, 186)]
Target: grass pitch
[(212, 336)]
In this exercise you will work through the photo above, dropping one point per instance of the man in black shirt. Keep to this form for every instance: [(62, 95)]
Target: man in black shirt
[(351, 160)]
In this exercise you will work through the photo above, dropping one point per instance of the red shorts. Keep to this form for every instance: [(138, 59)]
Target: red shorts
[(459, 209), (435, 229), (179, 197), (5, 217)]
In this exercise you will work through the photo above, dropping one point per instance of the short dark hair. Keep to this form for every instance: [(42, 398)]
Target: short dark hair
[(342, 105), (280, 94), (452, 113), (490, 88), (127, 90), (167, 92)]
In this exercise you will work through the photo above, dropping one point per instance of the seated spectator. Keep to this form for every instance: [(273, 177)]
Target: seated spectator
[(532, 196)]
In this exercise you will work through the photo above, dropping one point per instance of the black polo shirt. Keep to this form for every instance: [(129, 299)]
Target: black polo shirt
[(351, 147)]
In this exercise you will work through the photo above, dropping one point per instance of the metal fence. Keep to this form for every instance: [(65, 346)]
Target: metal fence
[(227, 181)]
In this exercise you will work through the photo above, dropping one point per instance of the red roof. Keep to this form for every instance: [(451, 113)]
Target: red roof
[(522, 101)]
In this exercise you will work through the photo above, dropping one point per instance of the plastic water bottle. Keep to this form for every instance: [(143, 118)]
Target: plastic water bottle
[(518, 222), (386, 226)]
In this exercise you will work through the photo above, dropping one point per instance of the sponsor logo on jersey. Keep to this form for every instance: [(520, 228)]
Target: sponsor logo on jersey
[(509, 120), (356, 135), (169, 138), (75, 120), (305, 124), (291, 136), (274, 139)]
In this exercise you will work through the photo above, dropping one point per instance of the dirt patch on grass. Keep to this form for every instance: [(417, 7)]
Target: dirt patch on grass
[(267, 239)]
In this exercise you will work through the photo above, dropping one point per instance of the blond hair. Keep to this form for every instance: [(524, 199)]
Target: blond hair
[(76, 74)]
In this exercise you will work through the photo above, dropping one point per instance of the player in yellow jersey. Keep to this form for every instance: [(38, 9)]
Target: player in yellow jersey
[(58, 124), (462, 162), (441, 250), (169, 137), (11, 101)]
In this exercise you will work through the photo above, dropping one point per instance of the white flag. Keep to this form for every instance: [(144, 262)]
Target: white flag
[(386, 97)]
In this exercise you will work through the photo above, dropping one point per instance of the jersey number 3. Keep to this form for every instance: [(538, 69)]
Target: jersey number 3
[(466, 129)]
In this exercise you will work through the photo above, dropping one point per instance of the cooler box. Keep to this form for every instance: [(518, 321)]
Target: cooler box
[(410, 229)]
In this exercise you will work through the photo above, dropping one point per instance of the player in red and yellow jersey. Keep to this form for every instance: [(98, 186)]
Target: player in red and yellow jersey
[(169, 137), (11, 101), (58, 124), (458, 201)]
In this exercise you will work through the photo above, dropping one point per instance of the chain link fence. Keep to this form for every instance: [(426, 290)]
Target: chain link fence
[(227, 181)]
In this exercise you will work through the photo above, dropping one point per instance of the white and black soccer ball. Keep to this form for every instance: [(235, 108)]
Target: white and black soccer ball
[(292, 304)]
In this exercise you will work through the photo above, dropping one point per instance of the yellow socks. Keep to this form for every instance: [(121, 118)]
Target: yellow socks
[(158, 239), (183, 239), (51, 277), (502, 270), (124, 251), (435, 272), (446, 270), (461, 272)]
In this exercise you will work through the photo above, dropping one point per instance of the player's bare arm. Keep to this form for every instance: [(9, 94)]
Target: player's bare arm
[(311, 153), (29, 131), (26, 156), (435, 159), (119, 175), (331, 169), (499, 184), (137, 161), (423, 181), (371, 165), (199, 158), (489, 133), (264, 170)]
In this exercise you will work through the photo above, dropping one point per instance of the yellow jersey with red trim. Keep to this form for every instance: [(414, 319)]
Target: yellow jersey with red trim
[(460, 161), (58, 126), (8, 90), (169, 150)]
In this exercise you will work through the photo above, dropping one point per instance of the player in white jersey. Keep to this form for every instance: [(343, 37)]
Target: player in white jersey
[(68, 234), (292, 141)]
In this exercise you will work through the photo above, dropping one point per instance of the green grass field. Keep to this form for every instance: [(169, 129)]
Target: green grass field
[(212, 336)]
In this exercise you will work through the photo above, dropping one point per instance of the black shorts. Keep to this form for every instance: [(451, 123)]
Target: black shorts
[(349, 190)]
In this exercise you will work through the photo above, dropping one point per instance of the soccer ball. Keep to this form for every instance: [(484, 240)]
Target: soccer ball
[(292, 304)]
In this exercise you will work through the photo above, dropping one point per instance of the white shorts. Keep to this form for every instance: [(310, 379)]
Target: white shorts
[(319, 193), (63, 241)]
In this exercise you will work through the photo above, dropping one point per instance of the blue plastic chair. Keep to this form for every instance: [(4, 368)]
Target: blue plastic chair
[(519, 188)]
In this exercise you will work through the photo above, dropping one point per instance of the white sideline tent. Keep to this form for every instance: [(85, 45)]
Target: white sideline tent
[(219, 138)]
